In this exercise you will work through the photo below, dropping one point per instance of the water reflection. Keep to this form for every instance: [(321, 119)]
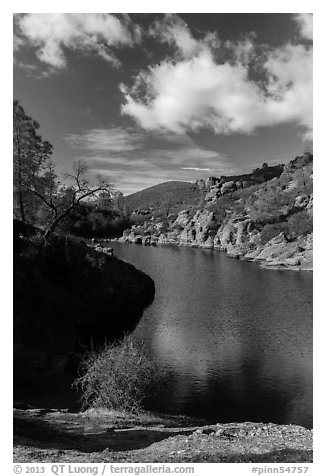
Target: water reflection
[(235, 339)]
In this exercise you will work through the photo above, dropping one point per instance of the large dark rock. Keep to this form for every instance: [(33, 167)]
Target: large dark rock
[(68, 298)]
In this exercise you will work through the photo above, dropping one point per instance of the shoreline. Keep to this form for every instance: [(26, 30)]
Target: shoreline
[(99, 436), (263, 263)]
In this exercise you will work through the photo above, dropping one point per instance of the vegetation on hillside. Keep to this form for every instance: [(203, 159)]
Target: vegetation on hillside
[(276, 205), (162, 200), (276, 199), (39, 196)]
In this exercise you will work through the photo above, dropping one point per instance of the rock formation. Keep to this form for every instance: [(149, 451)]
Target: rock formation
[(239, 233)]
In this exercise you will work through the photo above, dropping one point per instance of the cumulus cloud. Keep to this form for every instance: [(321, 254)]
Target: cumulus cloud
[(305, 22), (244, 50), (175, 32), (196, 91), (51, 33)]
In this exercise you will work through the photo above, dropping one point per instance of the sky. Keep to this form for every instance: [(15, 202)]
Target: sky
[(148, 98)]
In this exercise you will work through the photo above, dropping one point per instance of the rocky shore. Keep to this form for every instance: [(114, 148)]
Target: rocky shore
[(53, 436), (238, 237), (268, 222)]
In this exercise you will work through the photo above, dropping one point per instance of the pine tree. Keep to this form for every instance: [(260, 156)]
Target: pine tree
[(31, 153)]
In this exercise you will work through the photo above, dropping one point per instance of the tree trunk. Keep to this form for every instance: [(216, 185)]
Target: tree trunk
[(21, 205), (20, 191), (56, 222)]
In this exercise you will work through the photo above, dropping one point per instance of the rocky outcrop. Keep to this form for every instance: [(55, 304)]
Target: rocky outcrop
[(228, 187), (280, 253), (238, 236), (228, 222)]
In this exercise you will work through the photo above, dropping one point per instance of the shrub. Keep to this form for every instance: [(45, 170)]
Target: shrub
[(138, 230), (213, 227), (300, 223), (139, 219), (117, 377), (271, 203), (179, 228), (271, 230), (220, 208)]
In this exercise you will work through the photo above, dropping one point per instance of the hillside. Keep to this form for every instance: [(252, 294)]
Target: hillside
[(265, 217), (179, 195), (170, 198), (67, 298)]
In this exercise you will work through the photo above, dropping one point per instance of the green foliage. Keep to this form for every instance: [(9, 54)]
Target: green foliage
[(94, 219), (271, 202), (30, 154), (213, 227), (138, 230), (172, 217), (271, 230), (246, 193), (300, 223), (178, 227), (38, 196), (117, 377), (303, 179), (165, 228), (139, 219), (220, 208), (180, 196), (239, 207)]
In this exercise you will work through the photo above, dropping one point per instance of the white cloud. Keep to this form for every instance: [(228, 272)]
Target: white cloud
[(195, 91), (175, 32), (305, 22), (290, 85), (50, 33), (196, 169), (244, 50), (153, 157), (115, 139)]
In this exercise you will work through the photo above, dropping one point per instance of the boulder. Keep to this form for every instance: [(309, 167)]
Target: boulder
[(211, 181), (302, 201), (228, 187), (201, 184)]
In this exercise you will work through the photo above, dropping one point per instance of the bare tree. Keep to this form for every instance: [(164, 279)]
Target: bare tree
[(61, 200)]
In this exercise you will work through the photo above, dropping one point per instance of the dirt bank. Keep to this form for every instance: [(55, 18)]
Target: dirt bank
[(94, 437)]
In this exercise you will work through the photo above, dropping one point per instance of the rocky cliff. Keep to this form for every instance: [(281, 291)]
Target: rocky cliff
[(68, 298), (268, 222)]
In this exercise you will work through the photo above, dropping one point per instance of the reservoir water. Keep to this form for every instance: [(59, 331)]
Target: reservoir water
[(234, 339)]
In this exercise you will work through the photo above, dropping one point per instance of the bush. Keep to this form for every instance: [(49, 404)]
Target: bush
[(271, 230), (300, 223), (139, 230), (220, 208), (117, 377)]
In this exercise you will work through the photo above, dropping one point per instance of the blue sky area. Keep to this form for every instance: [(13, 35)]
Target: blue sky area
[(147, 98)]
